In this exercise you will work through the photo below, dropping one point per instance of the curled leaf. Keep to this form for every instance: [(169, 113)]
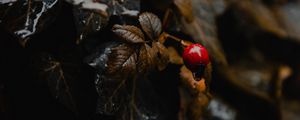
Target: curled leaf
[(150, 24), (128, 33)]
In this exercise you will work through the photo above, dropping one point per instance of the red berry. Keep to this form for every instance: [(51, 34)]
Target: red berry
[(195, 56)]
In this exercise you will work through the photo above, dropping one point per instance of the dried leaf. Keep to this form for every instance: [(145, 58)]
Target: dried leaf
[(146, 59), (116, 82), (162, 56), (128, 33), (121, 60), (150, 24), (114, 60), (185, 8)]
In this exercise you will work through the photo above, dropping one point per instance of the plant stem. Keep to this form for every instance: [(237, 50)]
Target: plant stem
[(165, 35)]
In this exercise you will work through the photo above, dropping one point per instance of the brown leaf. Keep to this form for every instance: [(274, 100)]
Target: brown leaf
[(117, 83), (185, 8), (128, 33), (146, 59), (150, 24), (162, 57), (121, 60), (111, 85)]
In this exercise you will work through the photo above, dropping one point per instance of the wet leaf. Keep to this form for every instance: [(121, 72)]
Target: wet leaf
[(150, 24), (24, 18), (129, 33)]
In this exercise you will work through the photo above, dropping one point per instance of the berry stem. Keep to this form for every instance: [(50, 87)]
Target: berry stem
[(163, 37)]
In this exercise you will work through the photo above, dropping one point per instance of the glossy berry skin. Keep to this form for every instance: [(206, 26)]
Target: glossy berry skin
[(195, 57)]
